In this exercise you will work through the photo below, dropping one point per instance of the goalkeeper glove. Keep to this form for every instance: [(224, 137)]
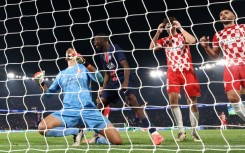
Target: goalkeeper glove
[(39, 77), (78, 57)]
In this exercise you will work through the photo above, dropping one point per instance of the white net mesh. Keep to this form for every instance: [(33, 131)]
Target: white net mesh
[(34, 35)]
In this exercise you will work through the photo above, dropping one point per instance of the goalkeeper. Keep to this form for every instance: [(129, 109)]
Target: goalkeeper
[(78, 107)]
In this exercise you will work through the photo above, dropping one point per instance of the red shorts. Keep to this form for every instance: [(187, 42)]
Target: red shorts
[(186, 79), (234, 77), (224, 122)]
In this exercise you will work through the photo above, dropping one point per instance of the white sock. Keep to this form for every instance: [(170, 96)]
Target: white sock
[(178, 118), (194, 117), (155, 133), (239, 109)]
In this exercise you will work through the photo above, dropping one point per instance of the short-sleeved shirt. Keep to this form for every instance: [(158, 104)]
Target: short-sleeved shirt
[(177, 52), (74, 84), (232, 42), (111, 61)]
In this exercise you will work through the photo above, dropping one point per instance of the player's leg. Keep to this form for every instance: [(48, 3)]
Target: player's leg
[(54, 126), (243, 91), (48, 123), (109, 95), (132, 102), (106, 113), (192, 90), (236, 103), (111, 134), (225, 125), (102, 102), (100, 124), (173, 100), (174, 83), (233, 83), (194, 117)]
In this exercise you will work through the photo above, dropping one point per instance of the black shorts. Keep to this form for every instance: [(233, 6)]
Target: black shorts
[(112, 91)]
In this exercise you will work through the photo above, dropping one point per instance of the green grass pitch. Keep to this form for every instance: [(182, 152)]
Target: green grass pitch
[(134, 142)]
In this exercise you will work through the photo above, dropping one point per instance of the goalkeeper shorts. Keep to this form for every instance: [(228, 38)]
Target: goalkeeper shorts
[(90, 118)]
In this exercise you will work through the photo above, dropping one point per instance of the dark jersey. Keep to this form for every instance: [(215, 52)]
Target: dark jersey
[(111, 61)]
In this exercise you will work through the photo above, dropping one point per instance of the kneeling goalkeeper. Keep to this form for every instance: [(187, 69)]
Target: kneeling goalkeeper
[(78, 107)]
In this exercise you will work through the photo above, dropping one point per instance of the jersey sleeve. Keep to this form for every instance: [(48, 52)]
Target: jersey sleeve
[(54, 87), (160, 42), (95, 76), (215, 41)]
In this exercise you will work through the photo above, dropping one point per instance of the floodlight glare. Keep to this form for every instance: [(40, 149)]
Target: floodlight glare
[(208, 66), (156, 73), (10, 75), (221, 62), (153, 73)]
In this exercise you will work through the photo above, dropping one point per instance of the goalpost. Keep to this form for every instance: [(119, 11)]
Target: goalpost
[(34, 35)]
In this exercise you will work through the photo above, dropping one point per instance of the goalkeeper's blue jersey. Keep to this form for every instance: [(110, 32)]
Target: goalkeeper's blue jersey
[(74, 84)]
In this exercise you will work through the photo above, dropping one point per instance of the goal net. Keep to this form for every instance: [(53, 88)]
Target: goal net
[(35, 34)]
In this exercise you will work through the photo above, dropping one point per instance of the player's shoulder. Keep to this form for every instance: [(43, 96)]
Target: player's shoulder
[(114, 47), (241, 25)]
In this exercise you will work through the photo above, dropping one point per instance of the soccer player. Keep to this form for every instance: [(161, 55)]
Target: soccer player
[(118, 77), (231, 42), (78, 107), (223, 120), (180, 72)]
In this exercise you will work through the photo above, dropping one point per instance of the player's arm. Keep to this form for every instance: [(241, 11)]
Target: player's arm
[(81, 60), (190, 39), (154, 45), (212, 52), (106, 79), (39, 78), (125, 65)]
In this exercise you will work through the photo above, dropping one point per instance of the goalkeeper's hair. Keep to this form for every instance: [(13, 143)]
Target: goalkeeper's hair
[(169, 20)]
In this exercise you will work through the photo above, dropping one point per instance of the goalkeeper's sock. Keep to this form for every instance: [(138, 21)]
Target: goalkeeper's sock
[(62, 131), (194, 117), (178, 118), (146, 124), (102, 140), (239, 109)]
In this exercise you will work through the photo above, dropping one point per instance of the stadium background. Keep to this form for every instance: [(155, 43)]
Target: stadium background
[(26, 46)]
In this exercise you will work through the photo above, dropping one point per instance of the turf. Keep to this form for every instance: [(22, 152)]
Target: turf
[(134, 142)]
